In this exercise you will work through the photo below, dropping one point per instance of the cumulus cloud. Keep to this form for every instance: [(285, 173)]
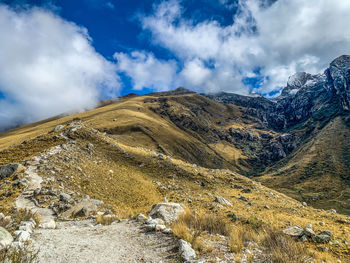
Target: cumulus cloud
[(274, 38), (48, 66), (147, 71)]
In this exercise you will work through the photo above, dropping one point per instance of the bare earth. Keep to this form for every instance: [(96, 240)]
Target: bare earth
[(81, 241)]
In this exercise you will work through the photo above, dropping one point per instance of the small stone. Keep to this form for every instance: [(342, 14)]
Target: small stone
[(155, 221), (65, 198), (150, 227), (304, 204), (222, 201), (90, 146), (246, 190), (186, 251), (160, 227), (303, 238), (167, 231), (243, 198), (322, 238), (141, 218), (308, 231), (81, 213), (233, 216)]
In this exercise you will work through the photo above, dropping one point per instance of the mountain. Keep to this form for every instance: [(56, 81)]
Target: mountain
[(311, 116), (206, 152)]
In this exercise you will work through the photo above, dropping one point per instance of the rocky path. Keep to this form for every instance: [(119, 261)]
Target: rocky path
[(82, 241), (24, 200)]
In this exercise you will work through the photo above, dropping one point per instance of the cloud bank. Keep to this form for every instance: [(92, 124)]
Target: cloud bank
[(267, 42), (48, 67)]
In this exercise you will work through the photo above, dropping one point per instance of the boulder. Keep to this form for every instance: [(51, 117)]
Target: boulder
[(294, 231), (222, 201), (5, 238), (186, 251), (9, 169), (169, 212)]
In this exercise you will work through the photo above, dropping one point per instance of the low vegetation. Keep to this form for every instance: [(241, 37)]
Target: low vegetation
[(21, 254)]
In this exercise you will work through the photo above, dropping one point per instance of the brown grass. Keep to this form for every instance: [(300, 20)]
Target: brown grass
[(280, 248), (189, 222), (241, 234), (105, 219)]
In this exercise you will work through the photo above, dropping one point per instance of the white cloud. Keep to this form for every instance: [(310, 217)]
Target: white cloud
[(195, 73), (146, 71), (48, 66), (279, 39)]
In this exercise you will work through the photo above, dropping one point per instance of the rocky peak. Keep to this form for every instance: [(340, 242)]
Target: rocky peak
[(298, 81), (339, 74)]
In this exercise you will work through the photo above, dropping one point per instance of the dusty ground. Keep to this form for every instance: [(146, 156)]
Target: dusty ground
[(82, 241)]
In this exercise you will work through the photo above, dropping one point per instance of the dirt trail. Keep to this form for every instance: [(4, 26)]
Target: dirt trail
[(82, 241), (47, 218)]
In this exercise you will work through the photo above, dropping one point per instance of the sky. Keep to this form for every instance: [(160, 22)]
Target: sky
[(63, 56)]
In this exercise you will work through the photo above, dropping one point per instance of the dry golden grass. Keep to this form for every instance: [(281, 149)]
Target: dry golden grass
[(210, 223), (280, 248), (105, 219), (240, 234)]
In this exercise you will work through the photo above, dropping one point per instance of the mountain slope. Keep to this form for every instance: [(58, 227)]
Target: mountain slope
[(318, 172), (130, 179), (194, 149)]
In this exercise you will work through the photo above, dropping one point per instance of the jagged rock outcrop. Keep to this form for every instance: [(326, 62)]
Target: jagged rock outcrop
[(319, 96)]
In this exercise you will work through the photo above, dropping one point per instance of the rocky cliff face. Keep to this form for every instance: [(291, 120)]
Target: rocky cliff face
[(306, 96)]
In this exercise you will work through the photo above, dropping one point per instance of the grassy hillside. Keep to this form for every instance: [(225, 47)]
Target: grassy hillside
[(319, 171)]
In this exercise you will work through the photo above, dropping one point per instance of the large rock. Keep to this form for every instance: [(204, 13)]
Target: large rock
[(294, 231), (186, 251), (169, 212), (9, 169), (5, 238)]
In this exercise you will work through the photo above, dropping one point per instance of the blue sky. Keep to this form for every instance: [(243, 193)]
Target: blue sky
[(64, 56), (114, 25)]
